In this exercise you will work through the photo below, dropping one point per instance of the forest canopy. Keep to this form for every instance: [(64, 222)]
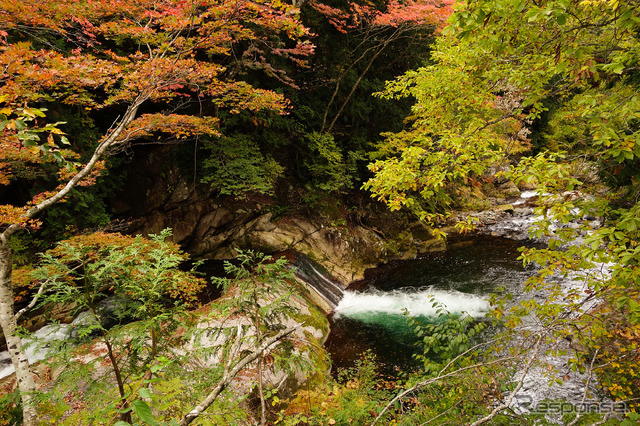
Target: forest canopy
[(551, 88), (418, 102)]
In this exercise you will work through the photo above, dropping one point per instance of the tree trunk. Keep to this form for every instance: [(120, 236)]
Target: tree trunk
[(8, 318), (26, 383), (125, 414), (263, 404)]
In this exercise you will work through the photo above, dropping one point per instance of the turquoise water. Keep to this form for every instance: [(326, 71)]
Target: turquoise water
[(460, 280)]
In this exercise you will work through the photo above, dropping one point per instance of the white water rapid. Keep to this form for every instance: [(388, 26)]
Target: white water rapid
[(422, 301)]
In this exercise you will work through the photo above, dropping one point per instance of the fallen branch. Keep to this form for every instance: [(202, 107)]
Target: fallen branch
[(231, 373)]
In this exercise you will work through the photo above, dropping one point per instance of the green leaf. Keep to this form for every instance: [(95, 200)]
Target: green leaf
[(617, 68), (143, 411), (155, 368), (144, 393)]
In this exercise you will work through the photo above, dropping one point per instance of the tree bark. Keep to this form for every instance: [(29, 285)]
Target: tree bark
[(8, 316), (26, 383)]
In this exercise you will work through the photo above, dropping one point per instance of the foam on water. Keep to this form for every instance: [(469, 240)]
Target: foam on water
[(528, 194), (417, 301)]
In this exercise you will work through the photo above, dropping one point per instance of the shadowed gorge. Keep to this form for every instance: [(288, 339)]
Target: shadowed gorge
[(459, 280), (421, 212)]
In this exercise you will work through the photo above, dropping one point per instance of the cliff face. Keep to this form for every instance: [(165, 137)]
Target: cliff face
[(157, 196), (209, 229)]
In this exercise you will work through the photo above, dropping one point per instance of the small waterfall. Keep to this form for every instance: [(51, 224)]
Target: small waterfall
[(311, 273), (457, 280), (422, 301), (417, 300)]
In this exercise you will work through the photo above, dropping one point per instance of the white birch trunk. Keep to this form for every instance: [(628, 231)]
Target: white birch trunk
[(26, 384), (8, 316)]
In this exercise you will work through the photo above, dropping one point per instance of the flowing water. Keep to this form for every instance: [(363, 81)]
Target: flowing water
[(370, 316), (460, 279)]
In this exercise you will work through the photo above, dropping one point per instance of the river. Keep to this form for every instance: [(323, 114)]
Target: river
[(461, 279)]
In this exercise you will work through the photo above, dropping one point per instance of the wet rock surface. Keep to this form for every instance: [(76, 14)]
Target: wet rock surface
[(541, 392), (551, 387)]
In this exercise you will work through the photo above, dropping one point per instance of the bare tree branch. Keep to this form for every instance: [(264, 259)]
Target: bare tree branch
[(230, 374), (507, 403), (443, 413), (586, 388), (436, 379), (380, 48), (33, 301), (98, 154), (41, 290), (473, 348)]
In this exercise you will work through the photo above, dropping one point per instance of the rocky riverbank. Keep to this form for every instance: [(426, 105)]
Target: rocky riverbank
[(541, 391)]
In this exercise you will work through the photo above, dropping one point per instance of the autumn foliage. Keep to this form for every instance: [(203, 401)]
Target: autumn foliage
[(178, 58), (135, 260), (132, 69), (394, 14)]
